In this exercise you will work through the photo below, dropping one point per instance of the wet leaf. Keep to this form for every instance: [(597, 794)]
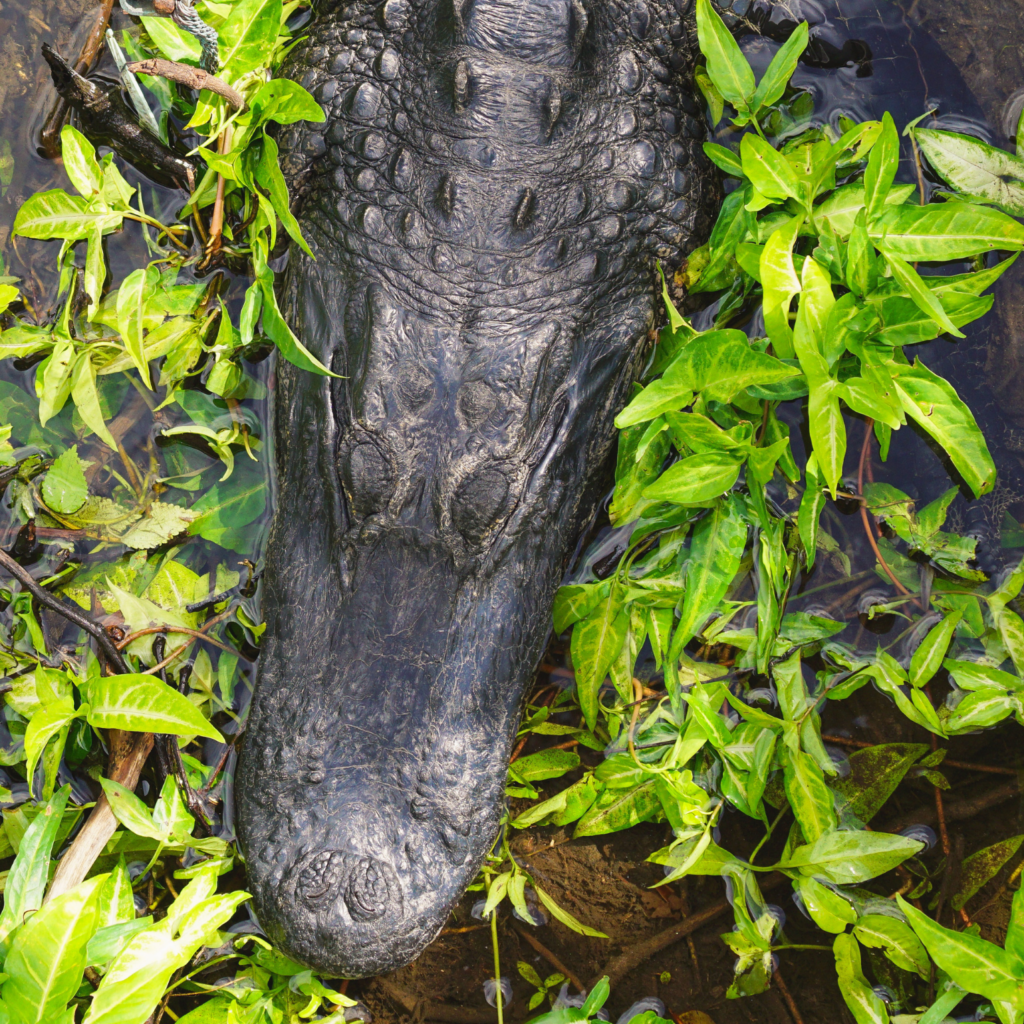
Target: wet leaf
[(80, 163), (715, 553), (946, 231), (896, 939), (563, 808), (981, 867), (48, 953), (780, 70), (808, 795), (974, 964), (933, 404), (141, 703), (829, 910), (976, 168), (864, 1003), (64, 488), (596, 643), (545, 764), (849, 857), (566, 918), (927, 659), (28, 875), (883, 161), (56, 214), (696, 479), (768, 169), (727, 67), (618, 809)]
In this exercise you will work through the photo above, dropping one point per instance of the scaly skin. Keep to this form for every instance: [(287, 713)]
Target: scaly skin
[(486, 203)]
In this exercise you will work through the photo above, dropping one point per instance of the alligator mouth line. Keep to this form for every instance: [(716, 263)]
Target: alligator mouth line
[(486, 202)]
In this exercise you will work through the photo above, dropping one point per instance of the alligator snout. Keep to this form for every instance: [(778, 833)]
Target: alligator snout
[(485, 202)]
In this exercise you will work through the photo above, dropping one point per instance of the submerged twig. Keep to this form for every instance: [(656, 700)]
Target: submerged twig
[(73, 615), (551, 959)]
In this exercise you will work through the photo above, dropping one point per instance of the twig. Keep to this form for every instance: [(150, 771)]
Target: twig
[(969, 766), (217, 219), (122, 644), (54, 603), (551, 958), (630, 959), (192, 78), (958, 810), (790, 1002), (902, 590), (50, 135), (128, 753), (940, 812)]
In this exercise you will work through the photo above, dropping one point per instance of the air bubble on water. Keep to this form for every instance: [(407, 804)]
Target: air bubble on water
[(141, 906), (885, 994), (800, 905), (135, 869), (537, 916), (563, 1000), (652, 1003), (477, 913), (358, 1012), (491, 992), (840, 760), (870, 599), (819, 611), (762, 695), (920, 833), (773, 910), (775, 962)]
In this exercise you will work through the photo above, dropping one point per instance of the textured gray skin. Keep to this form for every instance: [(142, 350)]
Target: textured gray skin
[(486, 203)]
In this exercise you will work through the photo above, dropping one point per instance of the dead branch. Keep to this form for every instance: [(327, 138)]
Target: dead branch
[(190, 77)]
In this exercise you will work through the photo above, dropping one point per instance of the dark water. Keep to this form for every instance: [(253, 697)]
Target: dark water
[(962, 59)]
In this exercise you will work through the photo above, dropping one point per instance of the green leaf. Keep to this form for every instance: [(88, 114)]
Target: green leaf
[(897, 939), (981, 867), (864, 1003), (28, 875), (974, 167), (617, 809), (565, 917), (828, 431), (278, 331), (141, 703), (56, 214), (829, 910), (768, 169), (883, 162), (545, 764), (596, 643), (48, 953), (927, 659), (849, 857), (80, 161), (933, 404), (64, 488), (132, 300), (840, 207), (131, 812), (285, 102), (724, 158), (927, 301), (563, 808), (946, 231), (658, 397), (696, 479), (44, 725), (781, 283), (246, 36), (808, 795), (727, 67), (1011, 629), (974, 964), (980, 710), (87, 399), (722, 363), (230, 505), (269, 175), (812, 501), (780, 71)]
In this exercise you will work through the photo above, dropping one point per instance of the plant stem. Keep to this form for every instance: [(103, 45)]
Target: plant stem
[(497, 959), (767, 835)]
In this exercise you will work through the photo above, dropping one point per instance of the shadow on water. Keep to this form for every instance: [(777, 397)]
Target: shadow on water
[(961, 60)]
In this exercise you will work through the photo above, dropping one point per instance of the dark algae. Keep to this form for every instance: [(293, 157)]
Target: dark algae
[(511, 509)]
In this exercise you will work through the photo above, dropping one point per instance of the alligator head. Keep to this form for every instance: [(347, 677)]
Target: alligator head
[(486, 202)]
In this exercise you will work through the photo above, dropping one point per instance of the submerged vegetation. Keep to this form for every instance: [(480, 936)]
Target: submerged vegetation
[(719, 519)]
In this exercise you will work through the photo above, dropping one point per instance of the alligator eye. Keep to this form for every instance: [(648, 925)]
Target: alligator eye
[(367, 476), (479, 504)]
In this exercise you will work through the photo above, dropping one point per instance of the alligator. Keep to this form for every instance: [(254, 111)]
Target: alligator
[(486, 203)]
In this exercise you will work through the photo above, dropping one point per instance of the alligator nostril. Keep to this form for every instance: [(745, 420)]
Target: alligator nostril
[(368, 892), (319, 879)]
